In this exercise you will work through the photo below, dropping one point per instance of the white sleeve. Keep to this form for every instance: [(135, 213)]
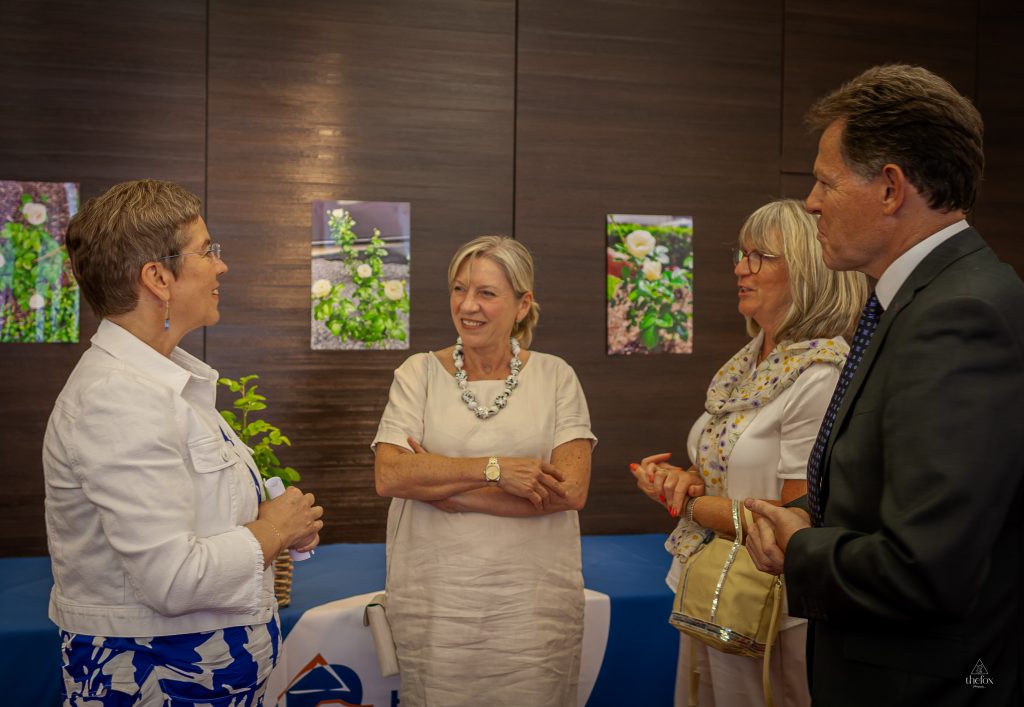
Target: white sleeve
[(801, 417), (572, 418), (129, 453), (407, 400)]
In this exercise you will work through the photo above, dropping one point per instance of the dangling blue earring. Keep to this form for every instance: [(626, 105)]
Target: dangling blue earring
[(167, 316)]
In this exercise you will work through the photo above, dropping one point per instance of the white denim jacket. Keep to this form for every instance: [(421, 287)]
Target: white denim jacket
[(147, 490)]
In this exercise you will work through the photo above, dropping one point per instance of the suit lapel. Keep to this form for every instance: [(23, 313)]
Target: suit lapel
[(948, 252)]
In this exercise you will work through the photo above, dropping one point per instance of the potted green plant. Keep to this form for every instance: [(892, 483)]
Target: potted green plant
[(261, 437)]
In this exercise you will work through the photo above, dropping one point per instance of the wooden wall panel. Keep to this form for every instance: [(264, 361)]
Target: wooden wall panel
[(397, 101), (657, 107), (999, 213), (975, 45), (616, 106), (830, 41), (94, 93)]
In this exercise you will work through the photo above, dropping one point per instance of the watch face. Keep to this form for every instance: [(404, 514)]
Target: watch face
[(492, 473)]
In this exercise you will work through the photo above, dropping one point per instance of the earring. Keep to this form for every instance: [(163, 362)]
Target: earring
[(167, 315)]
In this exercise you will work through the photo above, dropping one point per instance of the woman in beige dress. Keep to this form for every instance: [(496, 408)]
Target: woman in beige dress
[(485, 448)]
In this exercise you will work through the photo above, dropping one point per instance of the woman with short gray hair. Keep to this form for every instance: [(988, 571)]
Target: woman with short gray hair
[(160, 535)]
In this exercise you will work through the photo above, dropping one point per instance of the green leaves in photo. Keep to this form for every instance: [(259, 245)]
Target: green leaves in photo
[(371, 313), (39, 301), (654, 266)]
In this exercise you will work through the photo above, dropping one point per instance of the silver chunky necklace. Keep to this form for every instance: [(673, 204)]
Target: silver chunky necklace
[(510, 383)]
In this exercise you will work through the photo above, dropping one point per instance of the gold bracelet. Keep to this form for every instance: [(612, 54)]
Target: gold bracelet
[(689, 508), (280, 539)]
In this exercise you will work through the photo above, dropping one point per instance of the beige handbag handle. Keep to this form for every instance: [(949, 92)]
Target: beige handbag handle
[(766, 682), (766, 670)]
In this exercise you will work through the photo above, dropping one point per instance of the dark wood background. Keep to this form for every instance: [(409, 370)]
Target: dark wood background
[(529, 117)]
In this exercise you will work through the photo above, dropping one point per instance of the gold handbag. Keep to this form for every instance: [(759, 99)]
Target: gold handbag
[(723, 600)]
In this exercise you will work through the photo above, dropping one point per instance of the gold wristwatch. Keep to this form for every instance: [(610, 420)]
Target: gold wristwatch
[(492, 472)]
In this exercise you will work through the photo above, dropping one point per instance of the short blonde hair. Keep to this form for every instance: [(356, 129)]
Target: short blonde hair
[(824, 303), (516, 262), (115, 234)]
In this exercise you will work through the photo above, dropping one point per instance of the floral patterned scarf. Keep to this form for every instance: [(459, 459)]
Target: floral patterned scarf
[(736, 394)]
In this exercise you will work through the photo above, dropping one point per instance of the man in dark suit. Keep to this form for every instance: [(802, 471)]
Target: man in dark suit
[(909, 556)]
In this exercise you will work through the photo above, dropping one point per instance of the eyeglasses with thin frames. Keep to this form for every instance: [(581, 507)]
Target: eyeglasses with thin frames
[(755, 258), (213, 250)]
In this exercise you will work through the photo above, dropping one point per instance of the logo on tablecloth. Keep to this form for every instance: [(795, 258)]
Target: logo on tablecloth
[(320, 683)]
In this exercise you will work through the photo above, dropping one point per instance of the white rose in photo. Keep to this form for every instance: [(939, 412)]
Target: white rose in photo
[(364, 270), (34, 213), (640, 243), (652, 269), (36, 301), (321, 288), (338, 212), (393, 290)]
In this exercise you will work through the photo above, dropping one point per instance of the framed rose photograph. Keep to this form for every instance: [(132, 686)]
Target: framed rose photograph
[(360, 275), (38, 295), (649, 284)]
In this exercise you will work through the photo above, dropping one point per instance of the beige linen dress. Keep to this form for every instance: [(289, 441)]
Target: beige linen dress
[(485, 609)]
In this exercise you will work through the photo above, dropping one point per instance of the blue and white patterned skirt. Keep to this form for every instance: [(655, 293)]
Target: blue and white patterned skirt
[(224, 668)]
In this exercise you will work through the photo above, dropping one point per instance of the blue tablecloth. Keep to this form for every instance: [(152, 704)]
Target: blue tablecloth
[(639, 662)]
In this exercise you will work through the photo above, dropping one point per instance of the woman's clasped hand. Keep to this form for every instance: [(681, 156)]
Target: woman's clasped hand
[(666, 483), (295, 519), (533, 479)]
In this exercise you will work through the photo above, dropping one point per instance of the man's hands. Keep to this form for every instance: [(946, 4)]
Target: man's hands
[(768, 537)]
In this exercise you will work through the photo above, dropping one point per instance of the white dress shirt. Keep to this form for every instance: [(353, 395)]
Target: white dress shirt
[(147, 490), (899, 270)]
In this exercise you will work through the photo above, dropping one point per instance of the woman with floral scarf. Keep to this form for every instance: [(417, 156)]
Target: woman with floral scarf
[(762, 414)]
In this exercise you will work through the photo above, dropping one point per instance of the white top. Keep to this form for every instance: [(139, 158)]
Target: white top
[(774, 447), (147, 490), (899, 270), (481, 604)]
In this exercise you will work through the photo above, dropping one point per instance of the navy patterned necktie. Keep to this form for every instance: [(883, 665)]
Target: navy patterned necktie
[(865, 330)]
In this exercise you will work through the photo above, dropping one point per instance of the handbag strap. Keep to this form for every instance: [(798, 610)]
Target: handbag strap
[(694, 673), (766, 682), (737, 524)]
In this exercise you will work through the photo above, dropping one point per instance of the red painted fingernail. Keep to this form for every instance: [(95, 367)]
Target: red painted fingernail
[(674, 512), (634, 466), (661, 498)]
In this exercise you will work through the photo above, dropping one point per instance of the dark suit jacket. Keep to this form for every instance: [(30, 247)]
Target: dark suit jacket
[(916, 575)]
